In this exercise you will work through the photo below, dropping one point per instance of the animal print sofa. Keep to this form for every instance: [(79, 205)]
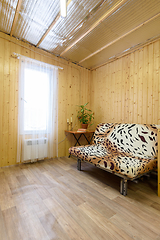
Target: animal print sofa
[(127, 150)]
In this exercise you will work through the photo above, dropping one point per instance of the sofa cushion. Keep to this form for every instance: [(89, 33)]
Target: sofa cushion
[(136, 139), (119, 163)]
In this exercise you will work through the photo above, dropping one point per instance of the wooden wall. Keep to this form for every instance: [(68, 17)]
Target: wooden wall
[(72, 92), (74, 89), (128, 89)]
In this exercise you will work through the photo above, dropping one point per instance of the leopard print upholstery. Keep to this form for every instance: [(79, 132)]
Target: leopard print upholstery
[(126, 149)]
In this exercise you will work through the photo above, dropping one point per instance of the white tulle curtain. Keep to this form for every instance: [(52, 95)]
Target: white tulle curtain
[(37, 111)]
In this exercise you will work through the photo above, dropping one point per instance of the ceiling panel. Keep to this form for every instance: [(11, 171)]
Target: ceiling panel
[(132, 14), (106, 55), (34, 18), (138, 37), (80, 16), (91, 43), (7, 12)]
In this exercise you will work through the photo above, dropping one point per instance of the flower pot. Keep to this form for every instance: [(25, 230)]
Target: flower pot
[(84, 125)]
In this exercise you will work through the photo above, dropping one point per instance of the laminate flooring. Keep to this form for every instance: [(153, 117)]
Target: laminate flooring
[(53, 200)]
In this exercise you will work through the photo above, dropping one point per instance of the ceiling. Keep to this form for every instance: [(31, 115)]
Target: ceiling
[(93, 33)]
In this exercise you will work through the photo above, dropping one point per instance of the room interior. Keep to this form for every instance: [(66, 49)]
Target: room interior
[(109, 52)]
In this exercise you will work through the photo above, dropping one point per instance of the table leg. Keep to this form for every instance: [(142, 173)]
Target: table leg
[(77, 141), (89, 141)]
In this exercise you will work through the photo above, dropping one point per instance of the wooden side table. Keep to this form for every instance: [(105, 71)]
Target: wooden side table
[(77, 135)]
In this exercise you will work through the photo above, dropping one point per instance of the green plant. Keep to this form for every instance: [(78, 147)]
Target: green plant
[(85, 115)]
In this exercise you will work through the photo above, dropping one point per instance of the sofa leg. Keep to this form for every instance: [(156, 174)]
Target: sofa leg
[(123, 187), (79, 164)]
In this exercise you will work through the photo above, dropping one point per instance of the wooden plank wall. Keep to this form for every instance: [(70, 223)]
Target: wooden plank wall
[(72, 92), (128, 89)]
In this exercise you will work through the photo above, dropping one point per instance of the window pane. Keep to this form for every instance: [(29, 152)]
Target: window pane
[(36, 96)]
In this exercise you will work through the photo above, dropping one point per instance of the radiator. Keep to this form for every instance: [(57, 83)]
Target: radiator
[(35, 149)]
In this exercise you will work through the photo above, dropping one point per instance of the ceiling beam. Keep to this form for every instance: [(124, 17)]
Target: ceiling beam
[(15, 16), (117, 39), (49, 29), (51, 26), (100, 20)]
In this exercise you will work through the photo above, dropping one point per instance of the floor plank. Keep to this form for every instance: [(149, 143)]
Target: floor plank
[(53, 200)]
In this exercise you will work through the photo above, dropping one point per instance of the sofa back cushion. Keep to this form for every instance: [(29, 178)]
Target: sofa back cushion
[(139, 140)]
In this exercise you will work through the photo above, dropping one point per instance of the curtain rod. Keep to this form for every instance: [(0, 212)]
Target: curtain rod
[(40, 53), (17, 55)]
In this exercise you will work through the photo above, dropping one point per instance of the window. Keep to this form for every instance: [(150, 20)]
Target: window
[(36, 99), (37, 111)]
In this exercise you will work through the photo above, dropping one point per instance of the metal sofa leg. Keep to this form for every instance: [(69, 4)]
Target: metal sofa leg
[(123, 186), (79, 164)]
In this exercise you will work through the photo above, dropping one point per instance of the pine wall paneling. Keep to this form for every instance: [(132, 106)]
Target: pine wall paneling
[(1, 98), (72, 92), (128, 89), (125, 90)]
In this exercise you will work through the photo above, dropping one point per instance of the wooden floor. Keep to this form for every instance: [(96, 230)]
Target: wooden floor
[(53, 200)]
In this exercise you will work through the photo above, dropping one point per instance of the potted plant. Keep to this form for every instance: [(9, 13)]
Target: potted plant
[(85, 116)]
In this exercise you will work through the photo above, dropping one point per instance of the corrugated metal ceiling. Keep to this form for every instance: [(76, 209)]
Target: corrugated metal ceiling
[(93, 31), (7, 13), (80, 16)]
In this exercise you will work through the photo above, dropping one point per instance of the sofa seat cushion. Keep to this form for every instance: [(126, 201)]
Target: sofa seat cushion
[(116, 162)]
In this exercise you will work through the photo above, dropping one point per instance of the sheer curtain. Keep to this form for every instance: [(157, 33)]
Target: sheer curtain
[(37, 111)]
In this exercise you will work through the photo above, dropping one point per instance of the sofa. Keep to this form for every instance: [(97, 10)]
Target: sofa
[(127, 150)]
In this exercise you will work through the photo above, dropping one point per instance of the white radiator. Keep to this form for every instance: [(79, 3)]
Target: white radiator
[(35, 149)]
